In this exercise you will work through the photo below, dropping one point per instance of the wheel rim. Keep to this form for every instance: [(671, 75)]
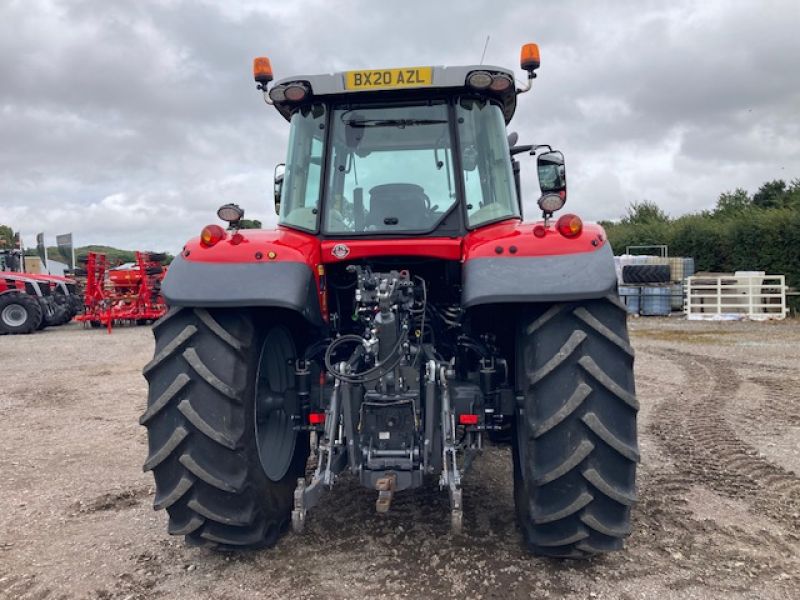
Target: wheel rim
[(14, 315), (275, 434)]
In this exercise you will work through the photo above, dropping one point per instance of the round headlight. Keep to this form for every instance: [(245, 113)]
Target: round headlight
[(500, 83), (480, 80), (550, 203)]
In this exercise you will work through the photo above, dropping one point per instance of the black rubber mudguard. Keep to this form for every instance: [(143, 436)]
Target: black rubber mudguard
[(559, 278), (215, 285)]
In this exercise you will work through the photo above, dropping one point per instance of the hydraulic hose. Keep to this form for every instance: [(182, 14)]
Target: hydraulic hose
[(379, 370)]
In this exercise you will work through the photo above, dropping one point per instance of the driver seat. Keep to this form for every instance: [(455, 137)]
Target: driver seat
[(405, 202)]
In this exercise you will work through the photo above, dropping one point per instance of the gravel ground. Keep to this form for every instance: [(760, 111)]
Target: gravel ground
[(718, 513)]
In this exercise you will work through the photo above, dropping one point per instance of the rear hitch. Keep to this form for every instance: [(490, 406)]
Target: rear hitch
[(385, 486), (451, 475), (330, 462)]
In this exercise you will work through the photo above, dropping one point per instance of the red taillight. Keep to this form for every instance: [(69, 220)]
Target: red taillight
[(316, 418), (539, 230), (467, 419), (570, 226), (212, 234)]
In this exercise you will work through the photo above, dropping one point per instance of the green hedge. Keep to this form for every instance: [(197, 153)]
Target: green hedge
[(753, 239)]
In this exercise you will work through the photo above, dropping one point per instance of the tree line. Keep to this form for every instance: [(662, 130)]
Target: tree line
[(742, 233)]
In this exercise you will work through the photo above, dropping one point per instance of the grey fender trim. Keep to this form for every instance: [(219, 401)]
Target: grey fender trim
[(280, 284), (564, 277)]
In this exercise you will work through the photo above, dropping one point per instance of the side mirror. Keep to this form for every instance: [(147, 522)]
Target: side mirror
[(552, 173), (280, 170), (552, 180)]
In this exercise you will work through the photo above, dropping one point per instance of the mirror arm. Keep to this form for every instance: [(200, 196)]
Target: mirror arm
[(538, 146), (520, 149)]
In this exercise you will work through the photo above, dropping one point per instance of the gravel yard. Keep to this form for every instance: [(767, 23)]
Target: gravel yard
[(718, 513)]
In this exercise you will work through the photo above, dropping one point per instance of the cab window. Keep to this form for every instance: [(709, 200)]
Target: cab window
[(390, 169), (486, 164), (301, 181)]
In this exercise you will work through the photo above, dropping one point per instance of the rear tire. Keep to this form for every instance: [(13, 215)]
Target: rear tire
[(63, 300), (575, 446), (76, 304), (20, 313), (200, 422), (59, 316)]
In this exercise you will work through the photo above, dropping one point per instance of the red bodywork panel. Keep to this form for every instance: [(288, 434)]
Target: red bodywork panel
[(514, 238), (511, 239), (19, 279), (43, 277), (52, 280), (443, 248), (255, 245), (10, 280)]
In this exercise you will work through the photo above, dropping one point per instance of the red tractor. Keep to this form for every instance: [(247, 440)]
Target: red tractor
[(401, 313), (66, 298), (30, 301), (27, 304)]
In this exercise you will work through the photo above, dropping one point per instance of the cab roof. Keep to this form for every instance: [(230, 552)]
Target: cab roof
[(443, 79)]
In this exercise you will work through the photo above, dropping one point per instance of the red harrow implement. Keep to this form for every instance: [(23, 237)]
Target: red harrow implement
[(124, 294)]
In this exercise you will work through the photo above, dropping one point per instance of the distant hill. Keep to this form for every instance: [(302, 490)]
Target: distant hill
[(115, 256)]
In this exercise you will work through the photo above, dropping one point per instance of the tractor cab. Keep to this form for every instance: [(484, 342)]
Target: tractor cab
[(399, 152)]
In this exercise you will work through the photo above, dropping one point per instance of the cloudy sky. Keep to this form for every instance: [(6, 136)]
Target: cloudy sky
[(130, 122)]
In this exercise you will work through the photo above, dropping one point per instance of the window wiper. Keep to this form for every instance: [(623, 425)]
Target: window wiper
[(401, 123)]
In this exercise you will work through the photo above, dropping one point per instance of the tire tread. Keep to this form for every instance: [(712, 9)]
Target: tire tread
[(200, 431), (575, 446)]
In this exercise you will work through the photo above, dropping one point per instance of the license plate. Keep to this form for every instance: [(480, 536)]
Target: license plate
[(388, 78)]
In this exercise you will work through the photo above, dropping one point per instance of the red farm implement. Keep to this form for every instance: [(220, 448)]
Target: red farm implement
[(127, 294)]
